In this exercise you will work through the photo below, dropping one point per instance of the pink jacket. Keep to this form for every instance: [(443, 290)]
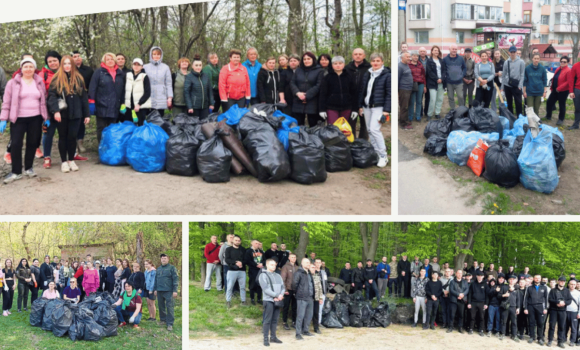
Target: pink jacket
[(91, 281), (11, 102)]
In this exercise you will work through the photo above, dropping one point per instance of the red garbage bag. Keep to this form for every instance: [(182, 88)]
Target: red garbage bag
[(476, 160)]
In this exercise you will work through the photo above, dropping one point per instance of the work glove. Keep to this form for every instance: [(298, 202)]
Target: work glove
[(323, 115), (123, 109), (505, 103), (45, 283), (132, 319), (6, 287), (47, 123), (92, 107), (210, 110), (134, 115), (247, 102), (35, 285), (3, 126), (353, 115)]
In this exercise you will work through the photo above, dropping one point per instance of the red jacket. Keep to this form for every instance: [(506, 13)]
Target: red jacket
[(234, 83), (562, 79), (211, 252), (574, 75), (79, 272), (46, 75), (418, 72)]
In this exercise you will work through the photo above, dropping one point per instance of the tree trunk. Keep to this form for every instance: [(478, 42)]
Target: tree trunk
[(203, 271), (335, 26), (302, 244), (358, 22), (163, 21), (369, 250), (295, 31), (336, 250), (466, 242), (28, 254), (237, 22), (315, 25), (140, 250)]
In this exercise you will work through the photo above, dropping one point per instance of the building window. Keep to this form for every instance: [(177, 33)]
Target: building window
[(563, 18), (422, 37), (422, 11), (546, 20), (460, 37), (544, 39), (527, 16), (561, 39), (474, 12), (506, 15)]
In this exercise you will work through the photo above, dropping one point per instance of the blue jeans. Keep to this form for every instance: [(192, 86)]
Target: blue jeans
[(368, 287), (47, 139), (415, 103), (493, 315), (122, 314)]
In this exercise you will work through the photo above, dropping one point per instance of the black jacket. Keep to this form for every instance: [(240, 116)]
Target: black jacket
[(346, 275), (381, 93), (495, 297), (498, 68), (556, 296), (303, 285), (283, 256), (522, 296), (434, 289), (357, 73), (431, 72), (358, 275), (456, 288), (536, 297), (77, 104), (478, 293), (45, 273), (198, 92), (515, 299), (270, 254), (103, 276), (232, 255), (269, 86), (285, 80), (249, 260), (138, 280), (87, 73), (107, 94), (338, 92), (404, 266), (307, 80), (370, 273)]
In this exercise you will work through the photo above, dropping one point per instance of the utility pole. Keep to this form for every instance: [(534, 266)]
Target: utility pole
[(402, 31)]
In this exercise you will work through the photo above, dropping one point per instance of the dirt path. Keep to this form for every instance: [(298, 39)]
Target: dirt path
[(103, 190), (518, 200), (393, 337)]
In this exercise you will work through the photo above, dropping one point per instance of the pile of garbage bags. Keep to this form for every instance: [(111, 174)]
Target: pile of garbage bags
[(501, 149), (353, 311), (92, 319)]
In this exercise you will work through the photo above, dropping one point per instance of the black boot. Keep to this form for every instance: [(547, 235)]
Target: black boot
[(275, 340), (266, 341), (286, 326)]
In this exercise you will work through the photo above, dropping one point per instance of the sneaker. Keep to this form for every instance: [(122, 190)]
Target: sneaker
[(573, 127), (39, 153), (317, 331), (266, 342), (8, 158), (299, 337), (559, 122), (228, 305), (12, 177), (47, 163), (561, 345), (25, 309), (432, 327), (244, 303), (461, 330), (530, 341), (489, 334), (136, 326), (170, 328), (123, 324), (309, 334), (481, 333), (449, 330), (19, 310), (253, 302), (541, 342), (65, 167), (5, 313), (73, 166), (549, 344), (571, 344), (79, 157), (30, 173), (383, 161), (425, 326), (414, 325), (501, 337), (515, 339), (286, 326), (408, 127), (275, 340)]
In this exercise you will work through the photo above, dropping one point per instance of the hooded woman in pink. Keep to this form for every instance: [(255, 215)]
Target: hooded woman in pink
[(90, 279)]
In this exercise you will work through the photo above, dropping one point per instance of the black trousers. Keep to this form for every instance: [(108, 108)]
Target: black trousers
[(102, 123), (110, 287), (8, 296), (457, 309), (404, 281), (218, 103), (522, 321), (427, 100), (32, 127), (254, 286), (359, 286), (315, 321), (484, 96), (289, 301), (561, 97), (23, 289), (201, 113), (511, 315), (577, 107), (559, 317), (536, 317), (432, 308), (477, 310), (33, 294), (241, 103), (514, 95), (446, 311), (313, 119), (68, 130), (572, 325), (270, 319)]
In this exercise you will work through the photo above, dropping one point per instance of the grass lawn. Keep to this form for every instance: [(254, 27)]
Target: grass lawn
[(17, 333)]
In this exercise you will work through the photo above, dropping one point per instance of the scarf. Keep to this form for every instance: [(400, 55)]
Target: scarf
[(127, 299), (374, 75), (112, 71)]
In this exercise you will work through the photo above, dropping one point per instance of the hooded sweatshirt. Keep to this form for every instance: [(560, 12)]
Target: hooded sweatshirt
[(253, 71), (516, 69), (271, 284), (90, 281), (535, 79), (160, 78)]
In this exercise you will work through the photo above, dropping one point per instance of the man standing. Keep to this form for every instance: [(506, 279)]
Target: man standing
[(559, 299), (469, 79), (405, 90), (434, 292), (415, 268), (423, 59), (234, 257), (427, 268), (165, 289), (273, 291), (445, 299), (313, 258), (320, 274), (211, 253), (222, 257), (323, 267), (472, 270), (346, 276), (404, 49), (512, 296), (287, 274), (458, 291), (370, 276), (358, 277), (536, 307), (55, 261), (272, 253), (512, 80), (87, 74), (477, 301), (284, 255), (455, 73), (393, 277), (435, 266), (525, 274), (493, 272), (404, 272), (573, 313), (522, 318), (384, 271), (303, 285), (254, 259), (357, 69), (253, 67)]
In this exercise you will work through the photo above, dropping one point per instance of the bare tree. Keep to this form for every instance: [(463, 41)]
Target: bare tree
[(369, 248), (464, 242), (335, 26), (302, 243), (358, 20), (24, 243), (295, 31), (570, 17)]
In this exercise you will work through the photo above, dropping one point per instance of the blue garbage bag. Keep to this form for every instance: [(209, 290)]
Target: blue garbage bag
[(288, 120), (537, 163), (113, 146), (233, 115), (518, 129), (146, 149), (461, 143), (284, 135), (553, 130), (505, 123), (511, 139)]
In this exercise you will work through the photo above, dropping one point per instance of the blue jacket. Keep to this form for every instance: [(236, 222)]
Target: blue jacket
[(535, 78), (382, 266), (455, 69), (150, 279), (111, 273), (253, 73)]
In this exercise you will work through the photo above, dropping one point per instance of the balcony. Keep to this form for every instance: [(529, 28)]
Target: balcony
[(421, 24), (564, 28), (463, 24)]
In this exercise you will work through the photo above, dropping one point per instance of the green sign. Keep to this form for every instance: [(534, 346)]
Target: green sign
[(485, 46)]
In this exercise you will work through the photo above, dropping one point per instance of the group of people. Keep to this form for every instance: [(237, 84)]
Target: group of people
[(58, 279), (65, 93), (423, 80)]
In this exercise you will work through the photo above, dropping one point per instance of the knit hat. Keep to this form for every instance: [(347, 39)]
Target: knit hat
[(26, 60), (52, 54)]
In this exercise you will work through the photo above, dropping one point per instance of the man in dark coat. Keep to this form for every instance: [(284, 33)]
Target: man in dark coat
[(404, 271), (357, 69), (254, 258)]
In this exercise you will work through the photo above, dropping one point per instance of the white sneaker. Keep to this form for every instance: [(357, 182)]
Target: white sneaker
[(30, 173), (383, 161), (12, 177), (73, 166), (65, 168)]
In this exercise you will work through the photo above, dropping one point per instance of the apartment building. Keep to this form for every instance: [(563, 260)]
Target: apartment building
[(490, 23)]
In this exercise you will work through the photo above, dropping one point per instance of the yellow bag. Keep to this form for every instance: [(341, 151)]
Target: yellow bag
[(344, 126)]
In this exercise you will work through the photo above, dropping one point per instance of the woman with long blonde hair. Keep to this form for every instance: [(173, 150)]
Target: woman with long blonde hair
[(9, 285)]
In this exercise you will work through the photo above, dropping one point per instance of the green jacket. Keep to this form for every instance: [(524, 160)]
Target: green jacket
[(213, 72), (166, 279)]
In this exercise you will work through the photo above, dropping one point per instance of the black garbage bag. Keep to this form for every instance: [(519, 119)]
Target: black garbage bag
[(172, 130), (107, 296), (338, 157), (559, 150), (381, 316), (367, 313), (212, 118), (62, 319), (93, 331), (181, 152), (37, 312), (195, 130), (106, 317), (518, 144), (48, 310), (329, 135), (440, 127), (306, 158), (342, 313), (268, 155), (357, 296), (355, 314), (184, 118), (160, 120), (484, 120), (501, 166), (327, 307), (255, 119), (363, 154), (436, 145), (76, 330), (331, 320), (214, 160), (505, 112), (460, 112), (463, 124)]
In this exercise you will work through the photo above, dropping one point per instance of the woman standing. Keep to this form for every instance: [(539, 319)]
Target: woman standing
[(24, 105), (418, 72), (178, 79), (9, 286), (148, 293), (137, 279), (197, 91), (212, 70), (68, 86), (36, 279), (559, 91), (110, 280), (375, 103), (436, 73), (51, 292), (305, 87), (23, 273), (324, 62), (118, 289), (498, 62), (282, 62), (121, 62), (484, 75), (160, 76), (71, 292), (65, 273), (418, 294), (137, 93), (107, 89), (338, 95), (286, 79), (234, 83), (269, 83), (126, 272), (90, 279), (46, 272), (535, 83), (56, 277)]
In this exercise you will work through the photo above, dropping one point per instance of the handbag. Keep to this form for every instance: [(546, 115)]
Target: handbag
[(511, 81), (279, 303), (62, 102), (415, 86)]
